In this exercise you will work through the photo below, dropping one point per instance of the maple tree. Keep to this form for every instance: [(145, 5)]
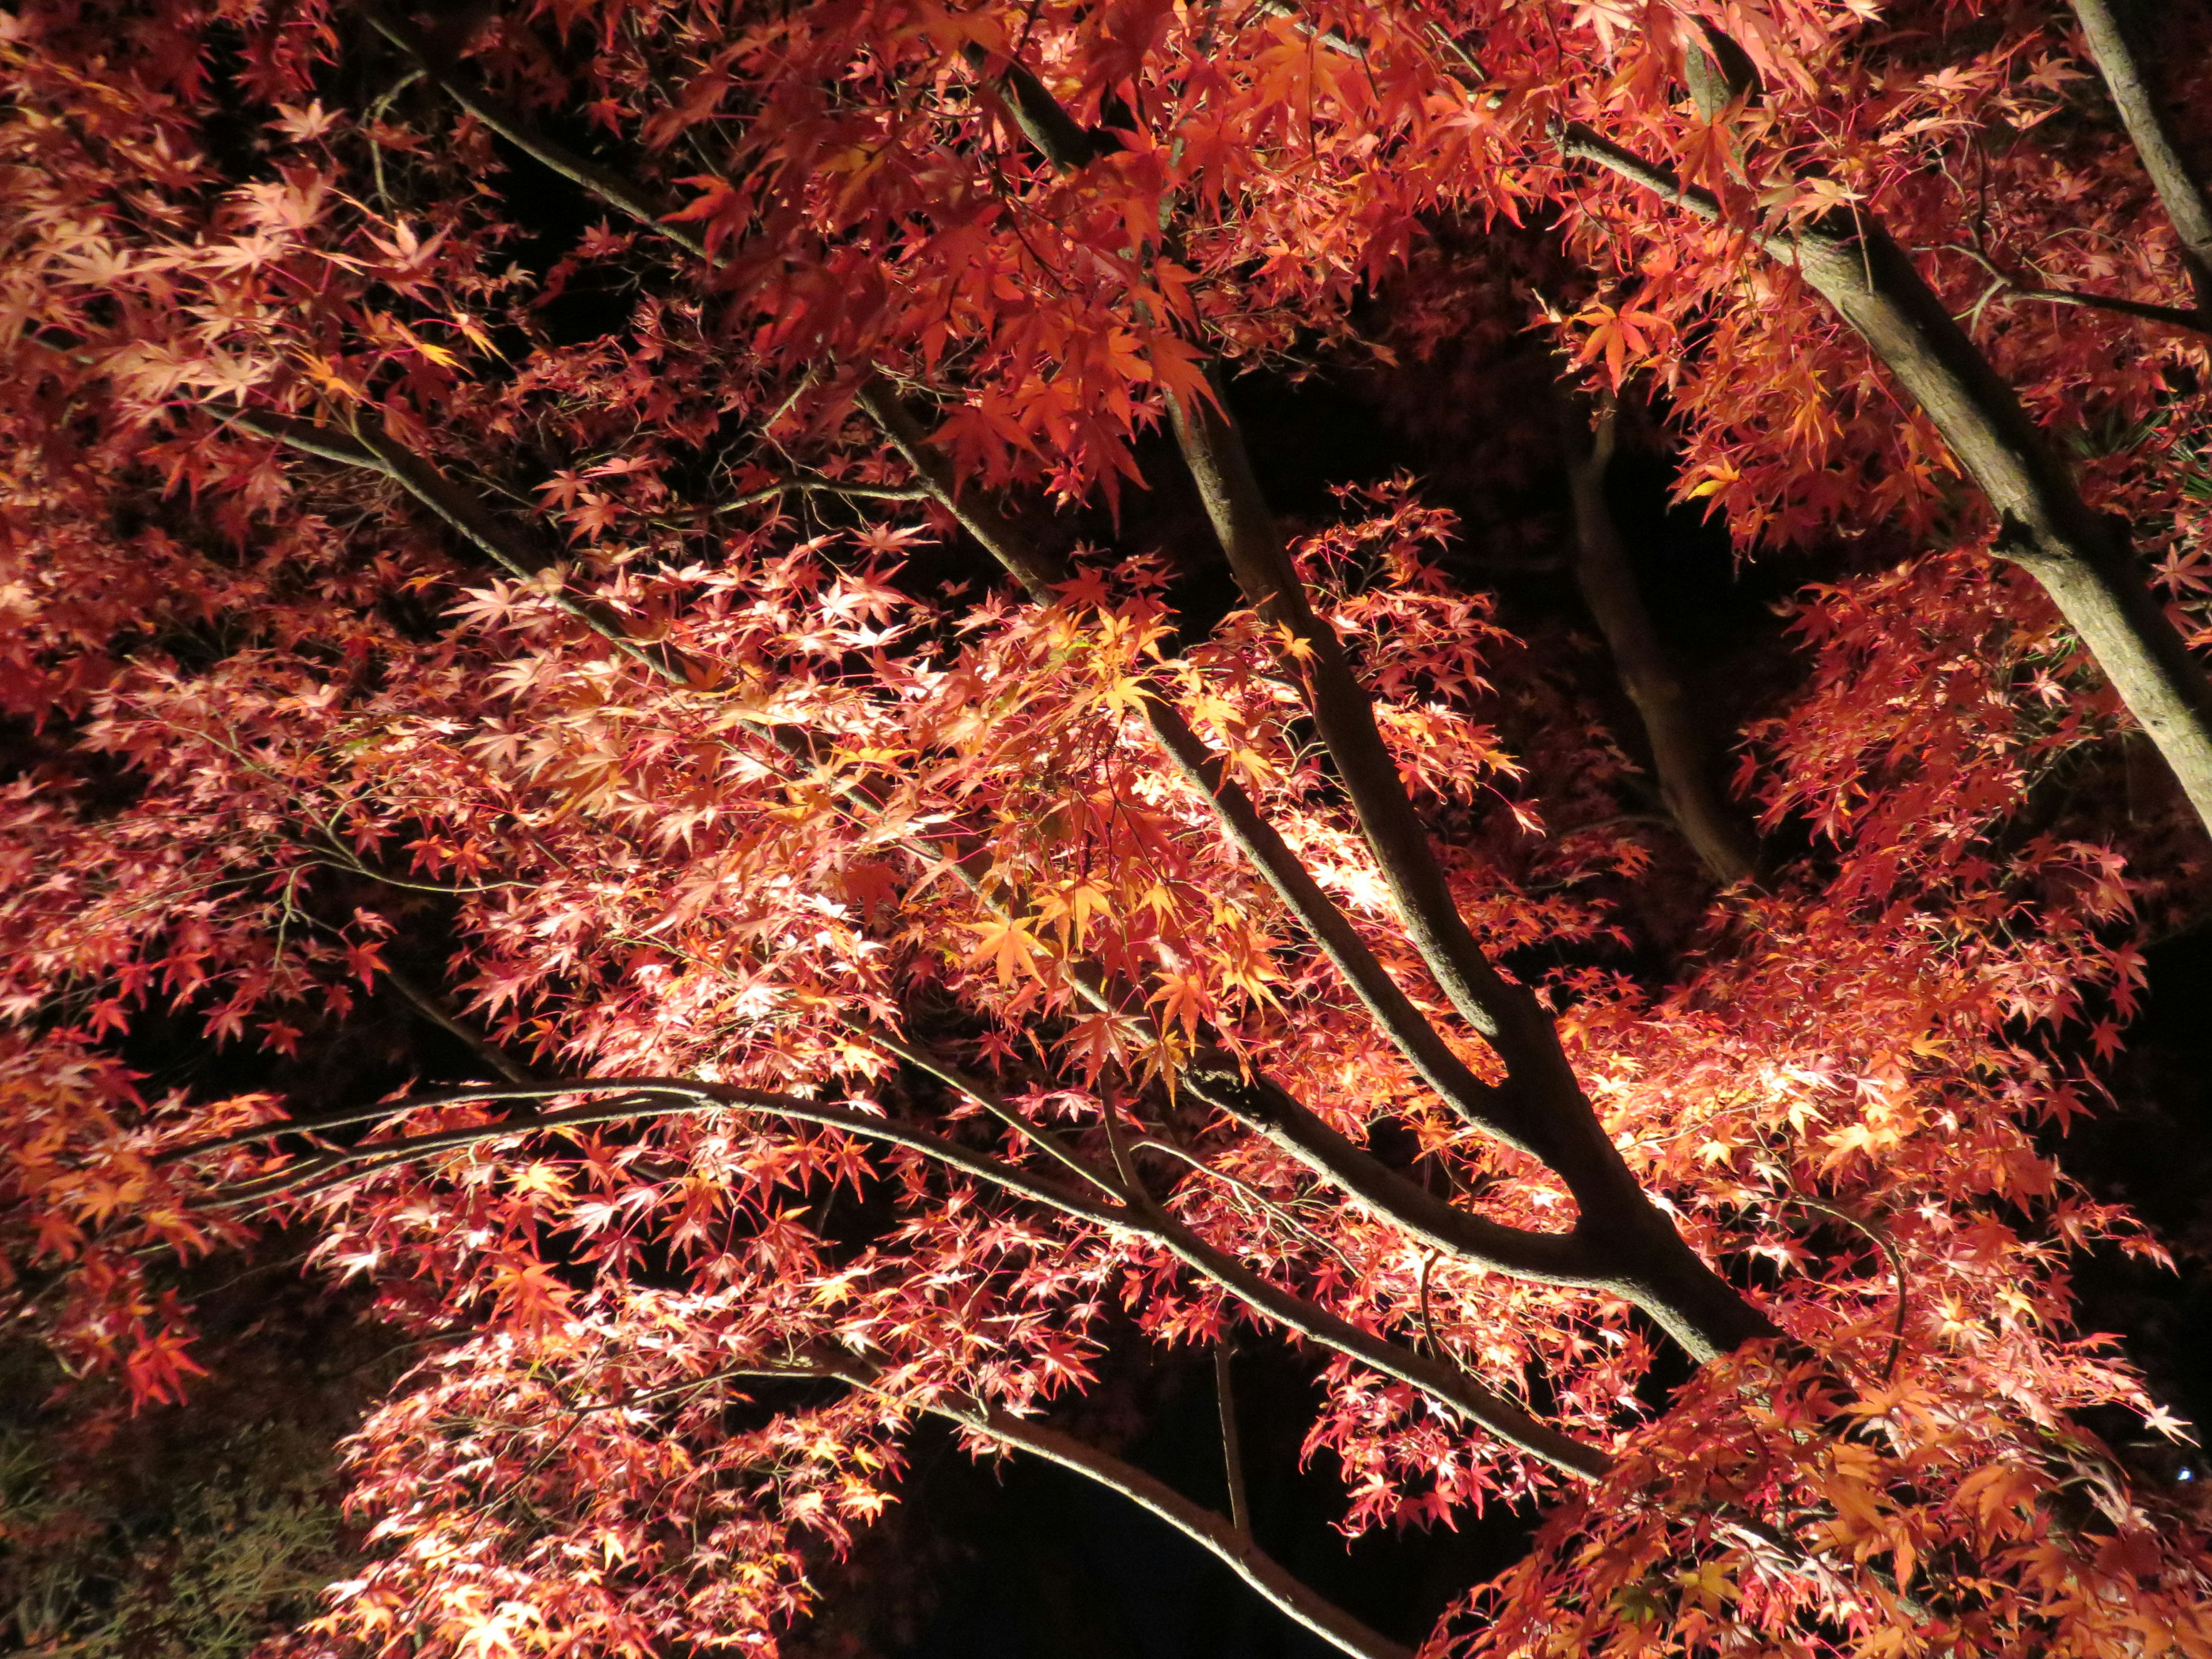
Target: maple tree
[(907, 943)]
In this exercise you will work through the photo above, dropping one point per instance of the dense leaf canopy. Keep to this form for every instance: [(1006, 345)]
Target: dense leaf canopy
[(916, 934)]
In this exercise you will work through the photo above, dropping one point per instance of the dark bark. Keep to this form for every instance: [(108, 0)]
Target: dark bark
[(1681, 758)]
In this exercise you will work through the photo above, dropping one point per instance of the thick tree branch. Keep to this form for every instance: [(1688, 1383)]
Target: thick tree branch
[(1214, 450), (1679, 752), (1039, 572), (2080, 558), (1545, 1106), (1624, 1245), (1271, 1112), (2178, 190)]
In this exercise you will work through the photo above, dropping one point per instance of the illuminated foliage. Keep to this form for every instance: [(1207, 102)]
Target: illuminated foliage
[(900, 934)]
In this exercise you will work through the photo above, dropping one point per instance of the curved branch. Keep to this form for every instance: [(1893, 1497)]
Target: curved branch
[(665, 1096), (1268, 1109), (1223, 1539)]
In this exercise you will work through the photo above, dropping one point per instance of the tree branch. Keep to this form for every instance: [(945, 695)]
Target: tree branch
[(1227, 1540), (2080, 557), (2184, 198), (1270, 1111), (1679, 753), (858, 492), (990, 1100), (609, 186), (1059, 137), (514, 550), (1040, 573), (1214, 448), (2196, 321), (640, 1097)]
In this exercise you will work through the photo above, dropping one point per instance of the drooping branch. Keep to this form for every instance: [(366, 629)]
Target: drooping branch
[(631, 1098), (2152, 134), (1225, 1539), (2080, 557), (1680, 756), (636, 1098)]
